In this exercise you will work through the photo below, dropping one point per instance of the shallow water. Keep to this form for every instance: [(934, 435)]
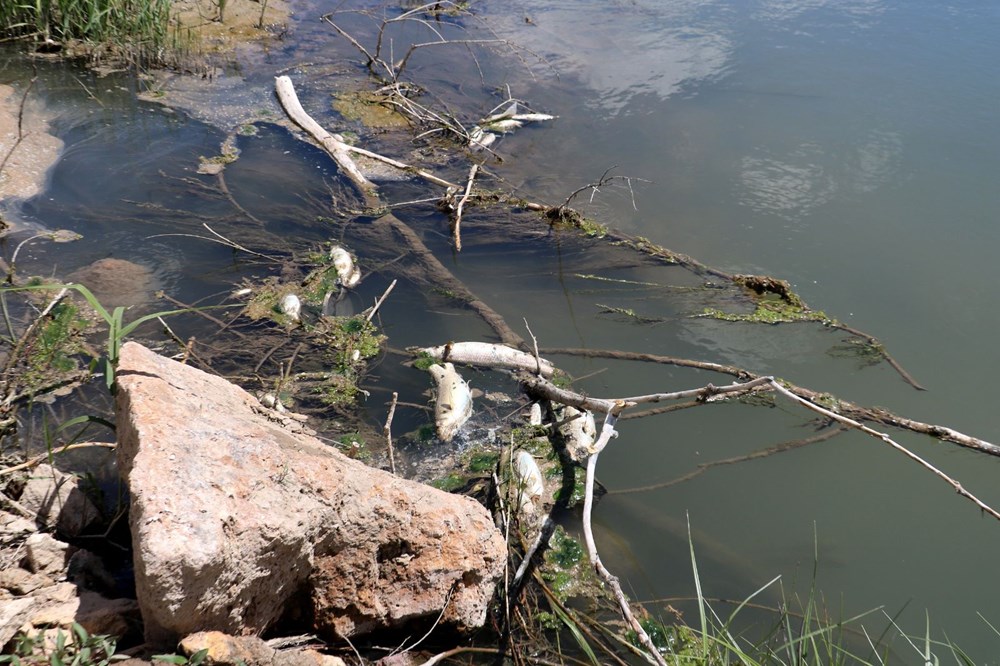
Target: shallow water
[(845, 146)]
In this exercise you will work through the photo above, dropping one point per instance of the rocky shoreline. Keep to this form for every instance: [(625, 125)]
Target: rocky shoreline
[(241, 520)]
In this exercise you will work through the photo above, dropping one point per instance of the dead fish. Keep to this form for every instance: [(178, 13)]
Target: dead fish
[(489, 355), (535, 414), (453, 403), (579, 431), (504, 126), (290, 306), (506, 113), (532, 117), (529, 480), (479, 138), (348, 272)]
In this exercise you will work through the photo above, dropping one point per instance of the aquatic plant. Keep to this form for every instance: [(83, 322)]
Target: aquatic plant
[(118, 328)]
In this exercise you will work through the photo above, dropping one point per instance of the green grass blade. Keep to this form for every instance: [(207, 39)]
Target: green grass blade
[(577, 635), (697, 587), (87, 418)]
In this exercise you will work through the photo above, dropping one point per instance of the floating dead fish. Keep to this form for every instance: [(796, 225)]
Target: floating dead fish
[(290, 306), (497, 121), (579, 431), (528, 477), (532, 117), (480, 138), (453, 402), (348, 272), (506, 113), (489, 355), (504, 126)]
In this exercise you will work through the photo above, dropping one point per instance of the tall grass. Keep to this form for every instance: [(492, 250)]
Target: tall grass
[(134, 29), (802, 633)]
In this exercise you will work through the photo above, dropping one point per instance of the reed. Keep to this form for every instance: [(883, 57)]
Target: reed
[(136, 30)]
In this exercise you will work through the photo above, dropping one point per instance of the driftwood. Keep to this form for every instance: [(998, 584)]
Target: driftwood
[(388, 228), (332, 144)]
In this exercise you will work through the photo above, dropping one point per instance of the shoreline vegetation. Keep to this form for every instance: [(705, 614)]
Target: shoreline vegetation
[(554, 608), (176, 34)]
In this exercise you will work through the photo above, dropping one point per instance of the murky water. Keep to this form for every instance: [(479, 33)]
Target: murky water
[(848, 147)]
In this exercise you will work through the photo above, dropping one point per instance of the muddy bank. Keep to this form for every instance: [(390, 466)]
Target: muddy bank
[(27, 149)]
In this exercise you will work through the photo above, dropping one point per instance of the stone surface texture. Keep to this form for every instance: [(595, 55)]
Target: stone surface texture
[(236, 510)]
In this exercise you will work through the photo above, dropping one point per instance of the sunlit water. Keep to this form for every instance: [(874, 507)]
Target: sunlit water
[(848, 147)]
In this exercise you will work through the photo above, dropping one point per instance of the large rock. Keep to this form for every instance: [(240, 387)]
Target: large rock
[(234, 512)]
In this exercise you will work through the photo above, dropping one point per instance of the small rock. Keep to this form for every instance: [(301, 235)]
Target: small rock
[(224, 649), (13, 615), (94, 612), (22, 582), (45, 554), (306, 658), (15, 526), (56, 499)]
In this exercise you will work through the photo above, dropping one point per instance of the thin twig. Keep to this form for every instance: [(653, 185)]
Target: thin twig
[(844, 407), (888, 440), (402, 166), (437, 621), (221, 240), (387, 430), (704, 467), (534, 346), (381, 300), (198, 311), (456, 228), (441, 656), (541, 539)]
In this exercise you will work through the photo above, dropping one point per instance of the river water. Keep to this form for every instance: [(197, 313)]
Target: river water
[(846, 146)]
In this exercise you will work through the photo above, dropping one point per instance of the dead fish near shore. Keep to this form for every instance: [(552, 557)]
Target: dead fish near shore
[(348, 272), (489, 355), (579, 432), (453, 400), (505, 121), (290, 306), (530, 484)]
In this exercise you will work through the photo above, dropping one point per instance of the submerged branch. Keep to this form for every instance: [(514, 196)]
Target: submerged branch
[(888, 440), (844, 407), (704, 467), (334, 145), (608, 432)]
